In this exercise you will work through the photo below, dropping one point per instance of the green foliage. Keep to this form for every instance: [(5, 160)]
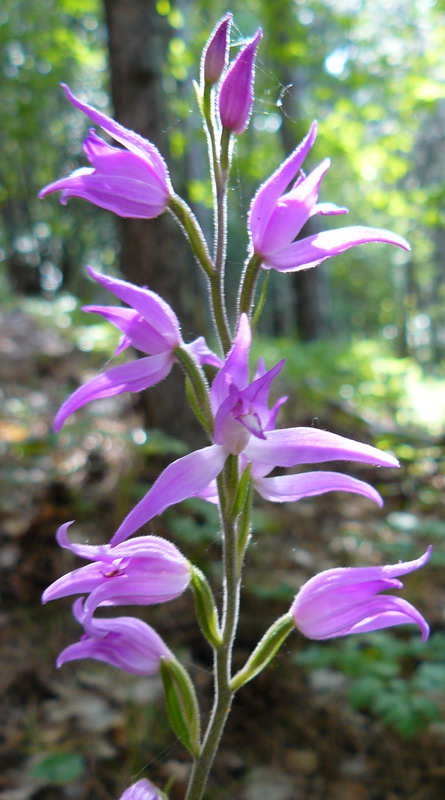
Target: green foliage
[(59, 768), (362, 376), (386, 678)]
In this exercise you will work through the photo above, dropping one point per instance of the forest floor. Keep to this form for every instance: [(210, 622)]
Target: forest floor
[(298, 732)]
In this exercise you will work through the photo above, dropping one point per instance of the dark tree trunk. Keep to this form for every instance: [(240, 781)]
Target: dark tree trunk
[(153, 252)]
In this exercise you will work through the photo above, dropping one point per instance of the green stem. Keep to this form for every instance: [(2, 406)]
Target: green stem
[(222, 659), (200, 387), (248, 283), (192, 229), (219, 182)]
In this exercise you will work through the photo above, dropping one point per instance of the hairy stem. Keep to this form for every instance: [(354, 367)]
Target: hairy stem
[(222, 656), (248, 284)]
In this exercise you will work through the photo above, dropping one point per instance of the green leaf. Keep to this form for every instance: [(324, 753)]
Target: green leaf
[(206, 612), (182, 704), (59, 768)]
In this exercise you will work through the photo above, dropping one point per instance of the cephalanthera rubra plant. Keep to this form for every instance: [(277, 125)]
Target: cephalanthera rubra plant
[(234, 409)]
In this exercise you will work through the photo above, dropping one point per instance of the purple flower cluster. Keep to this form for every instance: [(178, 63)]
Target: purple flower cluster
[(145, 571), (133, 181)]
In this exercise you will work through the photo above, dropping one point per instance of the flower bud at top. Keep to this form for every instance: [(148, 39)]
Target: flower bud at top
[(215, 53), (236, 93)]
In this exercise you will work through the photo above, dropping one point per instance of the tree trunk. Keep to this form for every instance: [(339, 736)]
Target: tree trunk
[(153, 252)]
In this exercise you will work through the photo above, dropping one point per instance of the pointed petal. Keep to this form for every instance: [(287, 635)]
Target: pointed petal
[(291, 446), (199, 349), (123, 642), (385, 612), (236, 366), (149, 304), (131, 140), (258, 391), (289, 488), (133, 377), (184, 478), (146, 588), (138, 332), (210, 493), (115, 161), (123, 196), (293, 211), (313, 250), (79, 581), (339, 578), (267, 195)]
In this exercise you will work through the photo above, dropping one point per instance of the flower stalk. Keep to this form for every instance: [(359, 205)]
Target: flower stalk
[(233, 409)]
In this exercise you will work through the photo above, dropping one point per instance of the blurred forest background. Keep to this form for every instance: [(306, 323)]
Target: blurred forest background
[(363, 335)]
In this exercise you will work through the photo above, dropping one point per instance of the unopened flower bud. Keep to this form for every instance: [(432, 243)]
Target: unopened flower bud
[(215, 53), (236, 93)]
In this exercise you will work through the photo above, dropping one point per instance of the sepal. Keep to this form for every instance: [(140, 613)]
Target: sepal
[(182, 704), (206, 612), (264, 652)]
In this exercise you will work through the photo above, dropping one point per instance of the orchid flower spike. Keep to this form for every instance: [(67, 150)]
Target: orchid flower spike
[(244, 426), (124, 642), (236, 92), (141, 790), (341, 601), (216, 51), (149, 325), (132, 183), (144, 571), (278, 214)]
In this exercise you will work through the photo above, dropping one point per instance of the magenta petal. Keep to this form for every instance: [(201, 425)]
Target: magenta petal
[(199, 350), (137, 331), (291, 446), (236, 366), (149, 304), (131, 377), (216, 51), (292, 211), (143, 587), (289, 488), (385, 612), (184, 478), (267, 195), (236, 92), (115, 193), (314, 249), (344, 600), (123, 642), (133, 141)]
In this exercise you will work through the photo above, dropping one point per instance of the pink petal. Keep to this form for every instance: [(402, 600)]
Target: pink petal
[(133, 377), (289, 488), (216, 51), (236, 92), (291, 446), (131, 140), (236, 366), (267, 195), (292, 212), (313, 250), (138, 332), (149, 304), (184, 478)]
